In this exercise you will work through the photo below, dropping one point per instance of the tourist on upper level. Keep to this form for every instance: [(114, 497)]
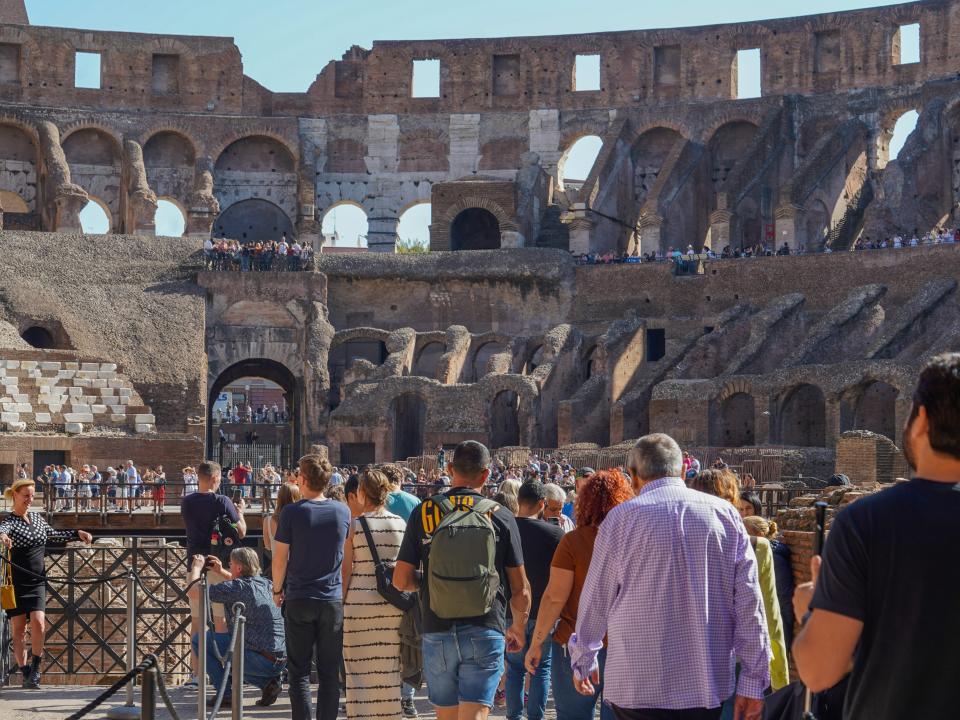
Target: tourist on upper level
[(25, 534), (264, 648), (672, 558), (884, 598), (597, 495), (307, 583)]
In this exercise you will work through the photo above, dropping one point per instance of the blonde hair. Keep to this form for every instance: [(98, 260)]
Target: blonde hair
[(509, 487), (286, 495), (376, 486), (760, 527)]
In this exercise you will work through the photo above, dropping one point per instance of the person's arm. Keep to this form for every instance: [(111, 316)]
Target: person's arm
[(751, 642), (551, 605), (520, 601), (824, 648), (409, 556), (279, 569), (235, 513), (346, 568), (268, 533)]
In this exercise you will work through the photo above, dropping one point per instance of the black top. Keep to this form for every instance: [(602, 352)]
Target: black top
[(539, 540), (200, 510), (315, 530), (891, 562), (415, 550)]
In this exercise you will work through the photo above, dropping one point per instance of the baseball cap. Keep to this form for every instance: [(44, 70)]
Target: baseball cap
[(585, 472)]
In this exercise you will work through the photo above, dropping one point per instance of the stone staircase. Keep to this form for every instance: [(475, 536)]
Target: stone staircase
[(554, 233), (842, 235), (67, 394)]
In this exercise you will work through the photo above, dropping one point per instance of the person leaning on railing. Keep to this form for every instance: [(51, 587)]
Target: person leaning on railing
[(25, 534)]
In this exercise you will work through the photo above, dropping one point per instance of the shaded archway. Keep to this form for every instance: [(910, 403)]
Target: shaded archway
[(732, 422), (170, 162), (408, 413), (94, 157), (286, 433), (475, 229), (876, 410), (253, 220), (428, 359), (817, 221), (648, 155), (505, 420), (482, 357), (39, 337), (802, 419), (18, 174)]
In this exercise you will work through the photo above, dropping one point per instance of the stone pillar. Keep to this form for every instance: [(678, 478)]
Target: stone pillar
[(316, 376), (719, 230), (788, 224), (141, 200), (649, 233), (832, 420), (580, 225), (511, 239), (64, 200), (382, 234), (762, 413), (203, 207), (544, 130)]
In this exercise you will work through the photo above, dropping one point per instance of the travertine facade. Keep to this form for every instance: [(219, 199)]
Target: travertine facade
[(384, 355)]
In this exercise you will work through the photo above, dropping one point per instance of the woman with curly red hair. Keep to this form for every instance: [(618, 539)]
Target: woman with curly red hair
[(598, 495)]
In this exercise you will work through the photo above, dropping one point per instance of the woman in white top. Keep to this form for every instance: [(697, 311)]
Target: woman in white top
[(287, 495), (371, 625)]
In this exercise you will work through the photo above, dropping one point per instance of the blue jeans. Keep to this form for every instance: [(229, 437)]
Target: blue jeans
[(257, 670), (463, 665), (539, 683), (406, 691), (570, 704)]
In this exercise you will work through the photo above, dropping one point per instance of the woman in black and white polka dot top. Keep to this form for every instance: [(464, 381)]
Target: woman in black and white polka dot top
[(26, 534)]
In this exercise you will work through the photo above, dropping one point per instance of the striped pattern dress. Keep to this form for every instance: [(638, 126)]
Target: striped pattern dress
[(371, 638)]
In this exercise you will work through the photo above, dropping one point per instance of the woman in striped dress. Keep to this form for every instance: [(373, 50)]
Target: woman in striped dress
[(371, 637)]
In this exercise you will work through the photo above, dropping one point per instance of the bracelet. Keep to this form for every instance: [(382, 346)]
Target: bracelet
[(278, 592)]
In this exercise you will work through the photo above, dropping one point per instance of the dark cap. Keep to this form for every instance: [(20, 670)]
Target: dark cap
[(838, 480), (585, 472), (531, 492)]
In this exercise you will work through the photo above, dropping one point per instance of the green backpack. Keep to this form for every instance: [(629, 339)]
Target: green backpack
[(463, 579)]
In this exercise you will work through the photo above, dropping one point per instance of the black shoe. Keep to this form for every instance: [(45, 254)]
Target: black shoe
[(409, 709), (225, 703), (25, 671), (33, 681), (270, 693)]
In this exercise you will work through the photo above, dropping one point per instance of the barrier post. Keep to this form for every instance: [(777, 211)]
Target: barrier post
[(129, 708), (202, 650), (237, 665), (148, 694)]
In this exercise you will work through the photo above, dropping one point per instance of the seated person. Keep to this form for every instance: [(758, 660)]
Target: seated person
[(264, 648)]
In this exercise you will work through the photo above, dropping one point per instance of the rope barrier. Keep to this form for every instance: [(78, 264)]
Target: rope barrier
[(66, 581), (162, 688), (148, 661), (151, 596), (227, 660)]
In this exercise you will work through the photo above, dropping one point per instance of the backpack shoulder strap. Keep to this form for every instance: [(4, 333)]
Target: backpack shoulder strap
[(484, 506), (444, 504)]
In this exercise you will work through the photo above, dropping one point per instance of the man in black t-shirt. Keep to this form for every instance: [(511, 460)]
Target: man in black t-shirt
[(463, 658), (539, 539), (885, 597)]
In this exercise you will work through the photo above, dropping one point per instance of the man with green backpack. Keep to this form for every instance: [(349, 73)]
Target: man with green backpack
[(468, 548)]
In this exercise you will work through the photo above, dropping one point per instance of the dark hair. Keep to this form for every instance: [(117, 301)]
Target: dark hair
[(470, 458), (316, 472), (530, 493), (754, 499), (209, 469), (938, 392), (393, 472), (351, 485)]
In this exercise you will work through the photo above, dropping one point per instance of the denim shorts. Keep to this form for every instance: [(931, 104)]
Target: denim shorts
[(463, 664)]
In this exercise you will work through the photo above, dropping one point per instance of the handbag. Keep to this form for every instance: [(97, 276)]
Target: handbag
[(384, 574), (8, 595)]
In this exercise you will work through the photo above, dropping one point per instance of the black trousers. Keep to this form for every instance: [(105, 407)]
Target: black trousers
[(654, 714), (314, 628)]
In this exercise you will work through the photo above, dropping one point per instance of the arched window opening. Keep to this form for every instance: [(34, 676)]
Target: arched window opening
[(344, 226), (475, 229), (413, 229), (577, 162), (95, 218), (169, 220)]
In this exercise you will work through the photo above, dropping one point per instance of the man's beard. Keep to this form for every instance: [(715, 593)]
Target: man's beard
[(908, 446)]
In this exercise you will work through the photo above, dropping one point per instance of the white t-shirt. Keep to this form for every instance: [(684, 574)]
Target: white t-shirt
[(208, 244)]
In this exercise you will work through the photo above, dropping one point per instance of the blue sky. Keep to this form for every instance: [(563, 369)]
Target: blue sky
[(285, 43)]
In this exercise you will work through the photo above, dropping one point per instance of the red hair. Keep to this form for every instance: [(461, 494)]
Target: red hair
[(601, 493)]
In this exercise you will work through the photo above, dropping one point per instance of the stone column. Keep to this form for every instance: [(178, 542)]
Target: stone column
[(203, 207), (649, 233), (832, 420), (719, 230), (788, 224), (141, 200), (64, 200), (316, 376), (382, 234), (762, 415), (581, 226)]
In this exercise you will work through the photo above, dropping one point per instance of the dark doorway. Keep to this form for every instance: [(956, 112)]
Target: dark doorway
[(803, 417), (475, 229), (409, 416), (732, 423), (656, 344), (505, 420), (253, 220), (39, 337), (42, 458), (358, 454), (876, 410)]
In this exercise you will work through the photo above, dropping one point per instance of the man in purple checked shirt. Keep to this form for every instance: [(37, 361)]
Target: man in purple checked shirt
[(673, 584)]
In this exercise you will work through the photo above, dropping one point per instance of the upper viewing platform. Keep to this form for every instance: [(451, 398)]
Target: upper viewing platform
[(803, 55)]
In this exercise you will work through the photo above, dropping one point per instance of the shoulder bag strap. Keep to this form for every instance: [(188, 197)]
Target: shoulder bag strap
[(443, 502), (370, 543)]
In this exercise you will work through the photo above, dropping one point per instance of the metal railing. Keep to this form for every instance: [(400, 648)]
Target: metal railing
[(105, 498)]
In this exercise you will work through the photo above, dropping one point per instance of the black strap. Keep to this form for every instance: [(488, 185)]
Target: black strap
[(370, 543)]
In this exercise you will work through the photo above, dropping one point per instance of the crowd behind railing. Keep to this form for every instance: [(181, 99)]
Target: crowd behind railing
[(262, 415), (269, 256)]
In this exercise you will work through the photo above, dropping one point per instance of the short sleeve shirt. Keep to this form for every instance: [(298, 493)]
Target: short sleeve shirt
[(264, 627), (315, 530), (573, 553), (200, 511), (890, 562), (415, 551)]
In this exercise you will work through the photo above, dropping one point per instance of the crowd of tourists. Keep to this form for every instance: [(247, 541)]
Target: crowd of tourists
[(270, 256), (663, 593), (236, 414)]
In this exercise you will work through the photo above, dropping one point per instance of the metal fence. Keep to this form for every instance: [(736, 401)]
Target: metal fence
[(87, 599), (258, 455)]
